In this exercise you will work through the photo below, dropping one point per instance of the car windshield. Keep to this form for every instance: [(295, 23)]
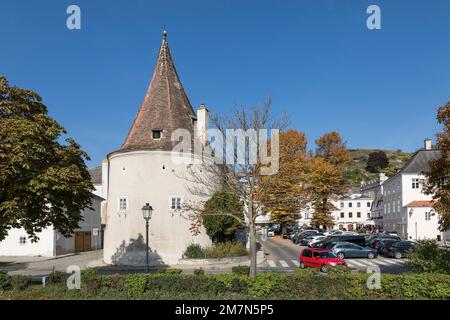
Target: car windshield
[(327, 254)]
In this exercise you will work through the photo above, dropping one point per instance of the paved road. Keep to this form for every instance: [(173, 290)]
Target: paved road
[(282, 256), (39, 266)]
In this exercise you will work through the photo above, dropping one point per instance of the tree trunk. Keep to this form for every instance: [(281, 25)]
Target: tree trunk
[(252, 249)]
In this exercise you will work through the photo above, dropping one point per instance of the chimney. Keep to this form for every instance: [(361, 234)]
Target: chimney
[(105, 172), (427, 144), (202, 123)]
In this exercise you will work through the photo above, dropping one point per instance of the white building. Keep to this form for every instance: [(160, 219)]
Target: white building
[(374, 189), (142, 171), (406, 209), (353, 212), (52, 243)]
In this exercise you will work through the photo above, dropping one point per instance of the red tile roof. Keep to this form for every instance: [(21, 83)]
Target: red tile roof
[(165, 107), (418, 203)]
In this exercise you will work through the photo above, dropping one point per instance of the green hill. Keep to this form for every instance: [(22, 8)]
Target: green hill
[(357, 171)]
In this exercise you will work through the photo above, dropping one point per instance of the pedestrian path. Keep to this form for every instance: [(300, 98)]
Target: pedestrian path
[(352, 263)]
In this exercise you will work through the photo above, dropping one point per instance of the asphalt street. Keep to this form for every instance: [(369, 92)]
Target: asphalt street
[(283, 255)]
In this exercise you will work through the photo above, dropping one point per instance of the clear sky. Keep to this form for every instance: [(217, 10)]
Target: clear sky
[(316, 58)]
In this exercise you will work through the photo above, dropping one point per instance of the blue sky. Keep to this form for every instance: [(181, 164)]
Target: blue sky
[(316, 58)]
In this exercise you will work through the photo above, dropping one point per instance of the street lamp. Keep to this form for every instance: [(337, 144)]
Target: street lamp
[(147, 214)]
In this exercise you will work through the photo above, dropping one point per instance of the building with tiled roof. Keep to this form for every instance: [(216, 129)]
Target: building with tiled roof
[(402, 206), (142, 171)]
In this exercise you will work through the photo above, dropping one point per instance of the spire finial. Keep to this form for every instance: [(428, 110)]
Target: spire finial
[(164, 34)]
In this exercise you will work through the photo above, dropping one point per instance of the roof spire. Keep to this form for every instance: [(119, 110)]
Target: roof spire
[(164, 33)]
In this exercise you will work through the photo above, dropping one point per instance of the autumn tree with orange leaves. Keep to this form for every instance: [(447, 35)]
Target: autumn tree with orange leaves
[(283, 194), (325, 179)]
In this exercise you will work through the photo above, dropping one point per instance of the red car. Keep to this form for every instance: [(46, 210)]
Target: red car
[(320, 259)]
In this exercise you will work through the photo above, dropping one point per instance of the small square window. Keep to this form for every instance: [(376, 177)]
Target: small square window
[(156, 134), (22, 240), (358, 204), (175, 202), (123, 204), (349, 204), (350, 214), (342, 215), (415, 183), (368, 204), (358, 214)]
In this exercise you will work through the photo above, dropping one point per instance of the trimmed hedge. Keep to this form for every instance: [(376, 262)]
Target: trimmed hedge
[(301, 284)]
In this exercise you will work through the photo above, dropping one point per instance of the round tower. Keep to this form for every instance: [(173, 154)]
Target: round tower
[(142, 171)]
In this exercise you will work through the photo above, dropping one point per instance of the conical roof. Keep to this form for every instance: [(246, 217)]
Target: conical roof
[(165, 108)]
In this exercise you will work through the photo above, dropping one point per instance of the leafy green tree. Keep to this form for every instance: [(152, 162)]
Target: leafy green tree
[(42, 182), (222, 215)]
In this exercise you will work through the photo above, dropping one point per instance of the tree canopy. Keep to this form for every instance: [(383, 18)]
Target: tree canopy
[(377, 161), (222, 215), (438, 177), (284, 195), (42, 182)]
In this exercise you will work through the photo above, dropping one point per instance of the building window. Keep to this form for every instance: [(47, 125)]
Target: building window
[(368, 204), (342, 204), (349, 204), (175, 202), (415, 183), (368, 215), (358, 214), (427, 216), (350, 214), (358, 204), (156, 134), (342, 215), (123, 204), (22, 240)]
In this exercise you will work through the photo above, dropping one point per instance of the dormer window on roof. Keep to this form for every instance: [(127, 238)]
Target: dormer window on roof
[(156, 134)]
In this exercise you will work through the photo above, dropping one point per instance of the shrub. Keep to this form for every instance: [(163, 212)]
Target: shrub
[(171, 271), (194, 251), (20, 282), (91, 280), (5, 281), (227, 249), (199, 272), (241, 270), (427, 256), (136, 284), (56, 277)]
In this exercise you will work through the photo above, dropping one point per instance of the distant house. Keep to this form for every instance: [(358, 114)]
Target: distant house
[(402, 206), (52, 243), (353, 212)]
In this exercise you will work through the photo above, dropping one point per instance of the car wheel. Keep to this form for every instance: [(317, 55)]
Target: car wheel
[(341, 255), (323, 268), (398, 255), (370, 255), (302, 265)]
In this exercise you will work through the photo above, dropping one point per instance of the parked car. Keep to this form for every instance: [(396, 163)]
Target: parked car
[(320, 259), (398, 249), (303, 234), (271, 233), (379, 245), (332, 232), (351, 250), (373, 242), (359, 240), (391, 233), (306, 240), (314, 239)]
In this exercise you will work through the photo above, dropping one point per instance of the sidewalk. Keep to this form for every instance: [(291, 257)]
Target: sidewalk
[(218, 267)]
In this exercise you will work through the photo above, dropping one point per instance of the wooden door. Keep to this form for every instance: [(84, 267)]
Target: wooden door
[(82, 241), (350, 227), (87, 241), (79, 241)]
